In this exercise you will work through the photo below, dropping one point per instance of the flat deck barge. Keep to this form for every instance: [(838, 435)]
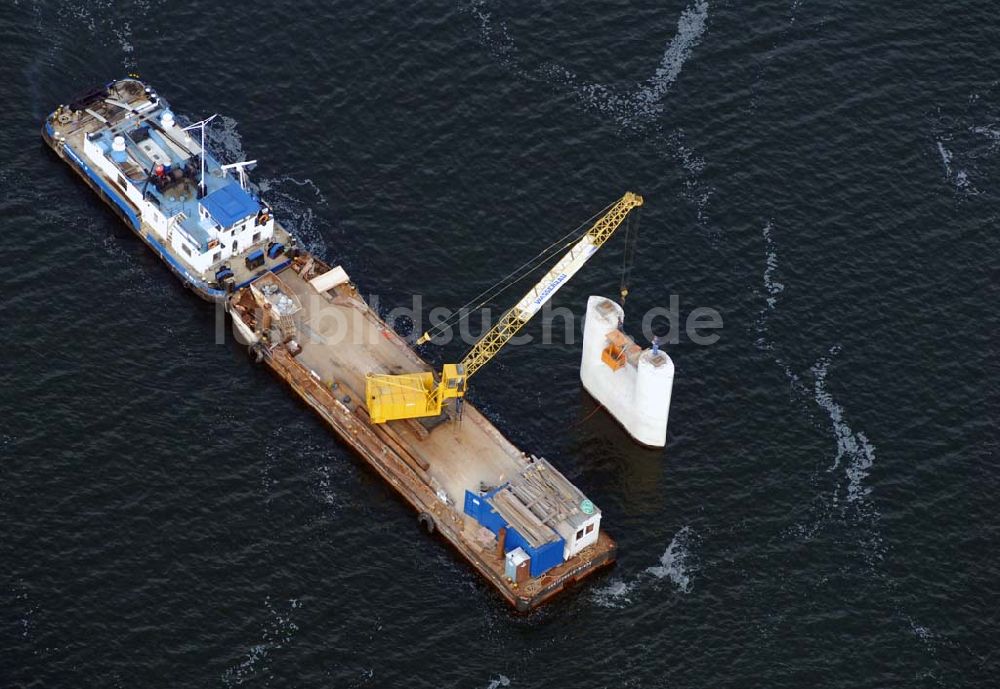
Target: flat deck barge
[(512, 516), (337, 339)]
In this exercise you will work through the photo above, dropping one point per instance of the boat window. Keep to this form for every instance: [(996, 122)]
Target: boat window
[(579, 534), (256, 237), (590, 527)]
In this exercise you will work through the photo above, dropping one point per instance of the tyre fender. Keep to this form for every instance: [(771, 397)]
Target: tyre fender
[(427, 522)]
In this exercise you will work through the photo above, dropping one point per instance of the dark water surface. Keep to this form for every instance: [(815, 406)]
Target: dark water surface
[(824, 174)]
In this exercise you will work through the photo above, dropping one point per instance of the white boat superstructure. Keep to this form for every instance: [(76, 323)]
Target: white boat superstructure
[(206, 222)]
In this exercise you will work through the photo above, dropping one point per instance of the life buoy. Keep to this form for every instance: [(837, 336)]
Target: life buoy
[(427, 521), (264, 218)]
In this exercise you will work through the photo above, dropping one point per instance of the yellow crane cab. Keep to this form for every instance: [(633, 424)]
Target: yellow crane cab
[(413, 395)]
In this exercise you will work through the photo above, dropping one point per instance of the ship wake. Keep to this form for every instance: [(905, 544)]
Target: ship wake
[(278, 631), (854, 455), (285, 194), (675, 566), (636, 109)]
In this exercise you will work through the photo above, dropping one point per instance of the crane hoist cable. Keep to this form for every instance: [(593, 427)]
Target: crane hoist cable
[(513, 278), (628, 255)]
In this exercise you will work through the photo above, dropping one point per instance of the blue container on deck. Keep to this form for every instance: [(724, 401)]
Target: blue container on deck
[(543, 558), (255, 259), (275, 250), (223, 274)]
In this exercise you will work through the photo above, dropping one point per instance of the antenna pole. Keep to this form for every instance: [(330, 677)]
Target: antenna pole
[(201, 182), (201, 125)]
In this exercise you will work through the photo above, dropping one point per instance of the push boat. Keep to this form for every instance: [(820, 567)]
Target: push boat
[(512, 516)]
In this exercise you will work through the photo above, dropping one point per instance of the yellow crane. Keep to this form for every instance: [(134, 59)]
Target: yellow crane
[(413, 395)]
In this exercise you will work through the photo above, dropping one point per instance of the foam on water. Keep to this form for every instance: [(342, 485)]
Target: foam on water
[(967, 140), (921, 632), (101, 18), (635, 109), (695, 191), (223, 138), (498, 681), (123, 33), (853, 448), (690, 28), (675, 565), (23, 602), (494, 35), (246, 668), (773, 288), (283, 193), (278, 631), (295, 210), (927, 638), (643, 103), (857, 453), (991, 134), (615, 595), (325, 489), (854, 445), (674, 562), (945, 158), (793, 10)]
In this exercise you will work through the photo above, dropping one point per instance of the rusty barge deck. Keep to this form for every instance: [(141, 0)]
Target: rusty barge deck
[(337, 339)]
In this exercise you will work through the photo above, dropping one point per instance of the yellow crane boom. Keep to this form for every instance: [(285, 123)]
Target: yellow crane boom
[(413, 395)]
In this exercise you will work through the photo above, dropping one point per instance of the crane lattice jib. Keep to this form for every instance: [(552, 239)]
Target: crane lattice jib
[(491, 343), (514, 319)]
